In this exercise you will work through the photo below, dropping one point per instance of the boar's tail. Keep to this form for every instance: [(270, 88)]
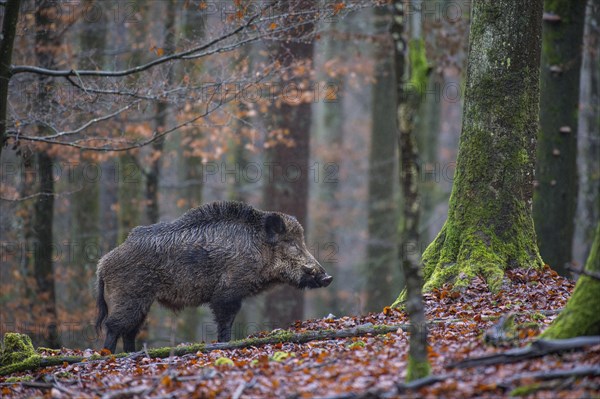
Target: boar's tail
[(101, 305)]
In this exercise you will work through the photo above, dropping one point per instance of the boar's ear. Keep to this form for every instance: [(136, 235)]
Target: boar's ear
[(275, 227)]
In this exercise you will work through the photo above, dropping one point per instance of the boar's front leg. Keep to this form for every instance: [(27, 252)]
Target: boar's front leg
[(110, 342), (225, 312)]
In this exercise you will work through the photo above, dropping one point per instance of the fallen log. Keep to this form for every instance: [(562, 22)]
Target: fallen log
[(278, 337), (536, 349), (583, 371)]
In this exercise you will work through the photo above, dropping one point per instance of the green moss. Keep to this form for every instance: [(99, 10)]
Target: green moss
[(538, 316), (224, 362), (282, 335), (176, 351), (19, 379), (416, 369), (31, 363), (281, 356), (525, 390), (380, 327), (489, 227), (419, 68), (399, 302), (357, 344), (16, 348), (530, 325), (64, 374), (49, 350), (580, 317)]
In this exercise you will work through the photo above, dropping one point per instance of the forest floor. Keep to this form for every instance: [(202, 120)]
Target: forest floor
[(366, 366)]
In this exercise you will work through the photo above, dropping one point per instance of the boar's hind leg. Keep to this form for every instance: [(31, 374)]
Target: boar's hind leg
[(126, 321), (129, 340), (225, 312)]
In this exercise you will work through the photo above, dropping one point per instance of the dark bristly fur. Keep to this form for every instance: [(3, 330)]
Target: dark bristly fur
[(218, 254)]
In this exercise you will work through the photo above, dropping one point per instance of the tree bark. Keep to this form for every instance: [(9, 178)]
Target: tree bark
[(382, 215), (580, 316), (287, 172), (42, 263), (555, 196), (190, 166), (46, 45), (588, 139), (9, 28), (489, 226), (407, 106), (160, 122), (86, 198), (328, 123)]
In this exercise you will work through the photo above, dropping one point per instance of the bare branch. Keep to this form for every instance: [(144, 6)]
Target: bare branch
[(36, 195), (140, 68), (89, 123)]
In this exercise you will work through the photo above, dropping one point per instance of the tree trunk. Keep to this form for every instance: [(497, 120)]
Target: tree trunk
[(555, 195), (43, 265), (160, 121), (45, 47), (382, 217), (86, 198), (129, 187), (581, 317), (328, 129), (9, 27), (588, 140), (418, 365), (489, 226), (287, 173), (190, 167)]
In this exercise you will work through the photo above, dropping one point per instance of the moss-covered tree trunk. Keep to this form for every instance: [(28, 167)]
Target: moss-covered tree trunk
[(581, 316), (556, 170), (489, 226)]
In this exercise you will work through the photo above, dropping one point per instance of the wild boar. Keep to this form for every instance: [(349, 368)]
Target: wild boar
[(218, 253)]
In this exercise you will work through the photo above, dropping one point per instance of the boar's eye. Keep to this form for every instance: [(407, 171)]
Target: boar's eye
[(308, 270)]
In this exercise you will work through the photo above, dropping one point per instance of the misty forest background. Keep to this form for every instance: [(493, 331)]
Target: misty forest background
[(324, 151)]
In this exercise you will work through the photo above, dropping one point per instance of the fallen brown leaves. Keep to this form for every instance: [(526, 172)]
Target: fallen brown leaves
[(333, 368)]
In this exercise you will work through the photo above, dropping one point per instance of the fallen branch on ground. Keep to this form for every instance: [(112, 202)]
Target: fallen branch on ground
[(275, 338), (552, 375), (536, 349)]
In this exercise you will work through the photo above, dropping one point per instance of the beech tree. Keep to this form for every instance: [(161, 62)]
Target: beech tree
[(581, 316), (418, 364), (489, 226), (291, 120), (555, 196)]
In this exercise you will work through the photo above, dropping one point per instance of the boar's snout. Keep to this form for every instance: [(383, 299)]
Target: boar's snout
[(325, 280), (315, 277)]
